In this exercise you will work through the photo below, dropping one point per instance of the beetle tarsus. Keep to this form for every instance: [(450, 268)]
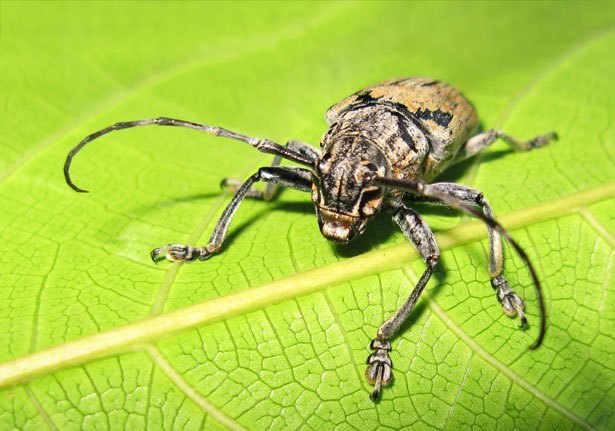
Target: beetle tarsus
[(379, 370), (512, 304), (179, 253), (541, 141)]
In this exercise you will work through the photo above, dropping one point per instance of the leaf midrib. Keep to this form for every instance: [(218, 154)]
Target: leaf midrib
[(111, 341)]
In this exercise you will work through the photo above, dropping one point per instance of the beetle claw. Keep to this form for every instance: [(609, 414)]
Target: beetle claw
[(512, 304), (379, 370), (179, 253)]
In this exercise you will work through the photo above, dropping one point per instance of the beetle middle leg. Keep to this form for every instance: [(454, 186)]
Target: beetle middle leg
[(379, 371), (511, 302), (288, 176), (481, 141), (233, 184)]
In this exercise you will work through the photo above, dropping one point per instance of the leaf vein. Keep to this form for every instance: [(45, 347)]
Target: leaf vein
[(191, 393), (105, 342), (551, 68), (547, 400), (39, 408), (595, 224)]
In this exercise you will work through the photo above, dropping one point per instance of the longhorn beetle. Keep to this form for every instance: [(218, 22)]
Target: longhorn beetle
[(384, 146)]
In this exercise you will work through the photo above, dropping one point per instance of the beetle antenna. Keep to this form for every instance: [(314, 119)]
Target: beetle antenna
[(423, 189), (263, 145)]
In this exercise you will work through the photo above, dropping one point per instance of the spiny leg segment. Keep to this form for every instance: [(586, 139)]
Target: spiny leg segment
[(297, 178), (379, 370), (233, 184), (511, 303), (263, 145), (448, 197), (481, 141)]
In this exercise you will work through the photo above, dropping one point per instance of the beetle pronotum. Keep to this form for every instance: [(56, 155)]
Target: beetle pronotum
[(384, 146)]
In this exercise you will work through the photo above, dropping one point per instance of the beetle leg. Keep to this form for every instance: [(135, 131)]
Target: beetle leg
[(263, 145), (288, 176), (379, 371), (452, 196), (483, 140), (511, 302), (233, 184)]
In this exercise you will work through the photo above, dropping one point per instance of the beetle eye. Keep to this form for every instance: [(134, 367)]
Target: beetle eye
[(367, 172), (325, 158), (323, 163), (370, 201), (370, 166)]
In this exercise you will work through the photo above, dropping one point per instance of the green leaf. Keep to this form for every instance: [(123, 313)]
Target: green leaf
[(273, 331)]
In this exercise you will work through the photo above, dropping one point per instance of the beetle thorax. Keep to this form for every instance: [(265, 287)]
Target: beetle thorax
[(342, 194)]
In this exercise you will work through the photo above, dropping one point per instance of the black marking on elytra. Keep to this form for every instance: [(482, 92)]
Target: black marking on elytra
[(365, 99), (438, 116), (399, 81), (429, 84), (403, 123)]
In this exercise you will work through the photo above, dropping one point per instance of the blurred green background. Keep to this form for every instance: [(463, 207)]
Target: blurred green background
[(76, 265)]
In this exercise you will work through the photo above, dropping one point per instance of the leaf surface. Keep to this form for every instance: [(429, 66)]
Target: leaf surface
[(273, 332)]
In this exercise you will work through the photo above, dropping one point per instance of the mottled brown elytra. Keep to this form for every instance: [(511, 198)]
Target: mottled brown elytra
[(384, 147)]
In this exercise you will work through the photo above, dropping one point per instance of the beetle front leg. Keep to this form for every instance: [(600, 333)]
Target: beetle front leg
[(297, 178), (379, 370), (233, 184)]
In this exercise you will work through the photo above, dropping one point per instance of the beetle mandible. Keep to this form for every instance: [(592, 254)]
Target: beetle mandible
[(384, 147)]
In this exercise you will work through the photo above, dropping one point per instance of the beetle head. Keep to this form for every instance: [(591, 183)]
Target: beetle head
[(342, 192)]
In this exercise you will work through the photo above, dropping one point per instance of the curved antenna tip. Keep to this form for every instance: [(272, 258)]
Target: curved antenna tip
[(538, 342), (77, 189)]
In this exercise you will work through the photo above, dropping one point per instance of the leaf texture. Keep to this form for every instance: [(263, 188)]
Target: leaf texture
[(273, 331)]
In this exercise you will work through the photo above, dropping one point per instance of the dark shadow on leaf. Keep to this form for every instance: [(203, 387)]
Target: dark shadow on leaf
[(455, 172), (296, 206), (293, 206), (378, 231), (189, 198), (434, 286), (236, 230)]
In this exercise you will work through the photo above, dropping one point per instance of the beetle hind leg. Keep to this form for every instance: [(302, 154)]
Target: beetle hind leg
[(481, 141), (379, 371)]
